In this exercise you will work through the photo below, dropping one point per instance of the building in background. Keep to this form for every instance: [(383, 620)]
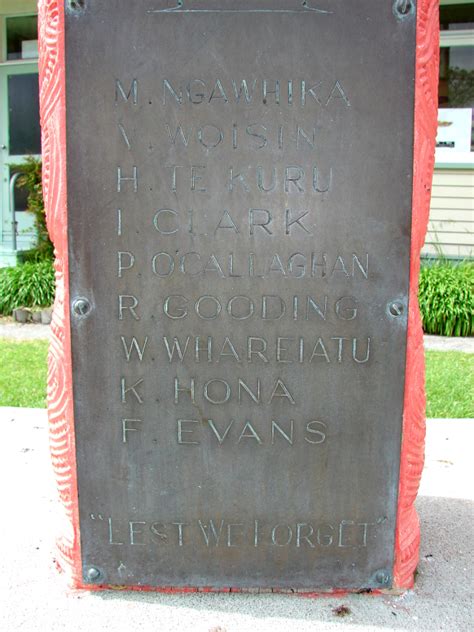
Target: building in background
[(451, 229)]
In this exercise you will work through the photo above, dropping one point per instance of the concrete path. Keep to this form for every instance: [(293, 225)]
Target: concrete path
[(16, 331), (442, 343), (35, 597)]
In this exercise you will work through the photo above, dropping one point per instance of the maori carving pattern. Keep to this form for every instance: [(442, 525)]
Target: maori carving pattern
[(60, 409), (413, 438)]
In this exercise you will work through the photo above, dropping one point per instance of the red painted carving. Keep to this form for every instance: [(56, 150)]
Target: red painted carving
[(60, 409), (407, 539)]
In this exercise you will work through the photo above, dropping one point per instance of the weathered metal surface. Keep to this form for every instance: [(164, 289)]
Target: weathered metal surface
[(305, 199)]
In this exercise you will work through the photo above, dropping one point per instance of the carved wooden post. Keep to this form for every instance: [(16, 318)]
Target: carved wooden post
[(60, 395), (52, 72), (414, 426)]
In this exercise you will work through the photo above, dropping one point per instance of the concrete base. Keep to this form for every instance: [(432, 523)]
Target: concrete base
[(36, 597)]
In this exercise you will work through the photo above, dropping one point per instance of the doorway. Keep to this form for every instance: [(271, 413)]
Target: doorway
[(20, 134)]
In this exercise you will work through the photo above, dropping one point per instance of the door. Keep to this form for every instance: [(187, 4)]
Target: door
[(19, 137)]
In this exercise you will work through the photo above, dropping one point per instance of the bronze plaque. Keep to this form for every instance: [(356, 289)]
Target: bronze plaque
[(239, 186)]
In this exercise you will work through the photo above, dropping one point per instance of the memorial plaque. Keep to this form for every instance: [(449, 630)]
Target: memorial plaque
[(239, 180)]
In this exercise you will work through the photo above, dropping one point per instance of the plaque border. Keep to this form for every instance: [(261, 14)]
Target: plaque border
[(52, 80)]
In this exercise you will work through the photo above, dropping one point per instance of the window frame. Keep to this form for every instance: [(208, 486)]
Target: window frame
[(14, 65), (450, 39), (3, 32)]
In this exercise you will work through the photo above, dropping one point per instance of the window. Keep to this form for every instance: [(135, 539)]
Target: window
[(456, 91), (455, 140), (22, 37), (23, 114), (456, 16)]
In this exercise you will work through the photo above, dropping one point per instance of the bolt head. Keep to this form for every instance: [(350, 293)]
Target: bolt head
[(382, 577), (92, 574), (76, 5), (396, 308), (403, 8), (81, 307)]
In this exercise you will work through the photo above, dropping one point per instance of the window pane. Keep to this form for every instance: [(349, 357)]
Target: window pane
[(456, 16), (23, 112), (22, 37), (456, 91)]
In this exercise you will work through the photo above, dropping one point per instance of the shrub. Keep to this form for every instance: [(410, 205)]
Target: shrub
[(26, 285), (30, 179), (446, 297)]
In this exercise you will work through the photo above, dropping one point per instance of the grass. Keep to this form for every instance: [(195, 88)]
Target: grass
[(449, 384), (23, 373), (449, 378)]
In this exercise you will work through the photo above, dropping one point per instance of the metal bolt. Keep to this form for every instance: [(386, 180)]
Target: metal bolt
[(76, 6), (403, 8), (396, 308), (93, 574), (81, 307), (382, 577)]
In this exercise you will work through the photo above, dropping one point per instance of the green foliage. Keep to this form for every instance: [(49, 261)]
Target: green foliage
[(461, 87), (26, 285), (446, 297), (30, 179)]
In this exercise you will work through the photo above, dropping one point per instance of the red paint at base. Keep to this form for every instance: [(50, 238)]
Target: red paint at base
[(60, 409)]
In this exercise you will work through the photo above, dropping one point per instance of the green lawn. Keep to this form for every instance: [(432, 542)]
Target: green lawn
[(449, 378), (23, 373), (449, 384)]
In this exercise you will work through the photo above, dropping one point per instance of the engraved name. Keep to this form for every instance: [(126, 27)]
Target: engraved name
[(297, 265), (252, 349), (299, 92)]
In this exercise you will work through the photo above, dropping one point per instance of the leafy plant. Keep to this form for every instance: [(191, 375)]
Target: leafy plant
[(30, 179), (446, 297), (26, 285), (461, 87)]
